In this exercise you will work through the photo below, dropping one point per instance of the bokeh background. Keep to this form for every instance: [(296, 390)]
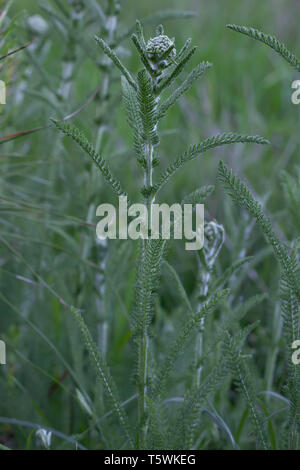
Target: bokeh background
[(49, 192)]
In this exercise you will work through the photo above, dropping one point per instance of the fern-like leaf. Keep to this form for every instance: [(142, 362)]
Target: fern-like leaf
[(104, 375), (147, 283), (155, 426), (140, 33), (148, 108), (184, 49), (143, 55), (240, 193), (270, 41), (111, 54), (183, 88), (175, 71), (290, 309), (291, 191), (195, 151), (198, 196), (193, 324), (99, 161), (134, 118), (244, 383), (181, 435), (179, 286), (226, 275)]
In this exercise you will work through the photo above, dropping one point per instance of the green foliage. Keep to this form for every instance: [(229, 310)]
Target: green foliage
[(291, 327), (199, 195), (134, 117), (194, 151), (270, 41), (246, 387), (147, 283), (179, 286), (240, 193), (82, 141), (193, 404), (181, 363), (147, 106), (110, 53), (104, 375), (180, 342), (141, 48), (183, 88), (175, 72), (290, 301), (291, 192)]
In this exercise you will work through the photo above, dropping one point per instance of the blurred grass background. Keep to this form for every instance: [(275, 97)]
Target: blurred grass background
[(47, 183)]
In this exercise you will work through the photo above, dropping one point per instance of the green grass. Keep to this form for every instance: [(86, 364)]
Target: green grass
[(50, 258)]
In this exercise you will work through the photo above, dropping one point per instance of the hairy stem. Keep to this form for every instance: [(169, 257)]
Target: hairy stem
[(205, 279), (143, 347)]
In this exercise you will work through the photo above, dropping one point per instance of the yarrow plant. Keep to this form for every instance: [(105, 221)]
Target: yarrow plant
[(146, 103), (193, 349)]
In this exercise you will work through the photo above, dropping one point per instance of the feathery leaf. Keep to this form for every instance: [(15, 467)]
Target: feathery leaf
[(195, 151), (134, 118), (183, 88), (246, 387), (82, 141), (198, 196), (240, 193), (111, 54), (176, 71), (104, 375), (191, 325), (148, 108), (270, 41)]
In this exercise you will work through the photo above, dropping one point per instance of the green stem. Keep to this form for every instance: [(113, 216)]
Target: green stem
[(272, 357), (142, 391), (143, 346), (199, 339)]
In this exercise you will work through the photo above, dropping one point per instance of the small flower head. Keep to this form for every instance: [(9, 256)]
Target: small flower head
[(157, 47)]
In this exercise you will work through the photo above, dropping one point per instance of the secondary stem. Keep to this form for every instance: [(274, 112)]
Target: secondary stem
[(199, 340)]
